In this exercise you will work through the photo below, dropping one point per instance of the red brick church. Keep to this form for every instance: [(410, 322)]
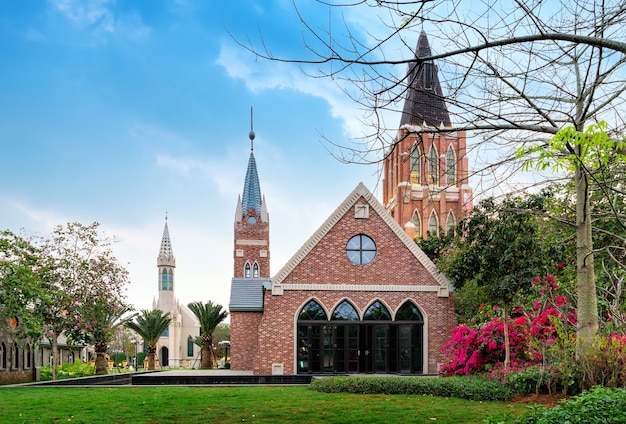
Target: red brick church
[(359, 296)]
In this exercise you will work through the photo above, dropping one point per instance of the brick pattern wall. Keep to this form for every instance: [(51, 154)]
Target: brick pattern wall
[(244, 340), (244, 233), (327, 263)]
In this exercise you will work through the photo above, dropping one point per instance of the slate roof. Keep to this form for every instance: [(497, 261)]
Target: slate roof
[(424, 101), (166, 245), (251, 189), (246, 294)]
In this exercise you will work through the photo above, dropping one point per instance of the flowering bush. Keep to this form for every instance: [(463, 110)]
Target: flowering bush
[(536, 334)]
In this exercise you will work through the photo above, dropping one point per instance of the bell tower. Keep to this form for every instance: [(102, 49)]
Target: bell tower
[(425, 186), (252, 226)]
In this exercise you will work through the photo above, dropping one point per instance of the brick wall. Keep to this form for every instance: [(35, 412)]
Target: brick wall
[(244, 327), (327, 263)]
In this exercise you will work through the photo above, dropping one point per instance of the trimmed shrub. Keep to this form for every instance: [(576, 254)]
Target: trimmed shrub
[(540, 379), (471, 388), (598, 405), (77, 369), (605, 363)]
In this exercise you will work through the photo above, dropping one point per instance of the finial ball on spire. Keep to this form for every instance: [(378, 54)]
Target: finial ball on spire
[(251, 135)]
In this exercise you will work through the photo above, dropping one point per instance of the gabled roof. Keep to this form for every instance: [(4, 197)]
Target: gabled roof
[(424, 103), (344, 207)]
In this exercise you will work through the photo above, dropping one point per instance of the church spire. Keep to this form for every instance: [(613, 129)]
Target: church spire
[(166, 254), (251, 198), (424, 104)]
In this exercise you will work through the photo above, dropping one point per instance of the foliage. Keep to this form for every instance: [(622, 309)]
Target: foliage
[(150, 325), (67, 370), (540, 335), (598, 405), (209, 316), (471, 388), (605, 363), (21, 289)]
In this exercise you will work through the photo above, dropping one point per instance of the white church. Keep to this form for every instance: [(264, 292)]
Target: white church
[(175, 348)]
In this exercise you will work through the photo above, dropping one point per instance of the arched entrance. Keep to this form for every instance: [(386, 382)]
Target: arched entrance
[(346, 344), (164, 357)]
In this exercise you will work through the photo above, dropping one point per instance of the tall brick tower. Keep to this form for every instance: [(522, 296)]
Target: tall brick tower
[(425, 186), (251, 274)]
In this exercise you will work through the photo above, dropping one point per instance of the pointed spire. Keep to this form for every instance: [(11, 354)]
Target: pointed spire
[(424, 101), (166, 254), (251, 189)]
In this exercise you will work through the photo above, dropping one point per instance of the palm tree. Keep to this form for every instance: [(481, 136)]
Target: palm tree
[(209, 315), (150, 325), (101, 333)]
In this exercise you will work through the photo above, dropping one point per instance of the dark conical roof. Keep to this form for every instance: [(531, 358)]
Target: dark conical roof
[(424, 101), (251, 189)]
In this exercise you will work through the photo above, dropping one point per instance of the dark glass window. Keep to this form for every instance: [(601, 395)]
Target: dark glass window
[(3, 355), (409, 312), (345, 312), (377, 312), (361, 249), (313, 311), (189, 346), (255, 270), (247, 271)]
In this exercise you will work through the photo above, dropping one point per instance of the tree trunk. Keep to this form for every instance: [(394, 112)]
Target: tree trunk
[(101, 360), (55, 354), (151, 351), (507, 346), (585, 272)]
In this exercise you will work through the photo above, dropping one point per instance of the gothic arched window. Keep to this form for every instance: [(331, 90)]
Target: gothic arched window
[(409, 312), (189, 346), (433, 166), (416, 166), (246, 272), (3, 355), (312, 311), (16, 356), (450, 167), (416, 219), (450, 224), (255, 270), (433, 224), (345, 312), (377, 312)]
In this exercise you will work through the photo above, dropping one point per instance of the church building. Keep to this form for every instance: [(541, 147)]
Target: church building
[(175, 348), (425, 186), (359, 296)]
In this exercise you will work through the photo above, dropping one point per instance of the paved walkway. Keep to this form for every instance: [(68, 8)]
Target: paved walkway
[(202, 372)]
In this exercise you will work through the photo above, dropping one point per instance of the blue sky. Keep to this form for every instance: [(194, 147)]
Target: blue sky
[(121, 111)]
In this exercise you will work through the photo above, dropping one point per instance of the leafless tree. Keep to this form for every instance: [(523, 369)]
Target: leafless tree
[(514, 74)]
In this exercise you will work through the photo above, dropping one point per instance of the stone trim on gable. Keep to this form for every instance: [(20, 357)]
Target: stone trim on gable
[(344, 207)]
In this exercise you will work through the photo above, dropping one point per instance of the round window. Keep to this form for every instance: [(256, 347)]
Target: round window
[(361, 249)]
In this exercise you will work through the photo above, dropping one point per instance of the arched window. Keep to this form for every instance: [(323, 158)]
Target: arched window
[(450, 224), (377, 312), (450, 167), (345, 312), (16, 356), (189, 346), (416, 166), (409, 312), (27, 354), (167, 279), (255, 270), (3, 355), (433, 224), (433, 166), (416, 219), (313, 311), (246, 272)]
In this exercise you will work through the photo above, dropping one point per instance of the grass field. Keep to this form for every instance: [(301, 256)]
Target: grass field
[(233, 405)]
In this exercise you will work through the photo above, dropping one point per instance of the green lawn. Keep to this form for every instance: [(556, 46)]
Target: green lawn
[(233, 405)]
